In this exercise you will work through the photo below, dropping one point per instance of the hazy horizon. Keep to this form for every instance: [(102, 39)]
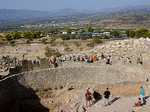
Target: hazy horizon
[(50, 5)]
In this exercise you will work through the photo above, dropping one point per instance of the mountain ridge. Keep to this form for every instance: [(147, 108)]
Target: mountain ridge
[(23, 16)]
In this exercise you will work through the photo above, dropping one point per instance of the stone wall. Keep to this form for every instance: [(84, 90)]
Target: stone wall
[(84, 75)]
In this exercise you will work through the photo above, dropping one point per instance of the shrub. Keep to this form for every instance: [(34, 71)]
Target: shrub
[(9, 37), (97, 40), (65, 37), (51, 52), (28, 35)]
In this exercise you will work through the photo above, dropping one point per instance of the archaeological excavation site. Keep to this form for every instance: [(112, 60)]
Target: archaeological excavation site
[(62, 88)]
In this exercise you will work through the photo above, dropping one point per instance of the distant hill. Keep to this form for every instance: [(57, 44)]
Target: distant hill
[(15, 17), (129, 15)]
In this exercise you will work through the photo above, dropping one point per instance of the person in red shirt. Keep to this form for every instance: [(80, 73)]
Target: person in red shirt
[(88, 96)]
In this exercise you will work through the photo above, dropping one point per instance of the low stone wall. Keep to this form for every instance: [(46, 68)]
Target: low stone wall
[(77, 76)]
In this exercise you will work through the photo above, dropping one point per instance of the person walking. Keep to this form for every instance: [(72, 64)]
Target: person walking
[(108, 60), (106, 96), (140, 60), (88, 97)]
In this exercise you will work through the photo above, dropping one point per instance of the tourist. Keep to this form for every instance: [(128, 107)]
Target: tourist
[(50, 62), (102, 56), (139, 103), (140, 60), (94, 58), (106, 96), (142, 94), (129, 60), (88, 97), (53, 61), (108, 61), (91, 59)]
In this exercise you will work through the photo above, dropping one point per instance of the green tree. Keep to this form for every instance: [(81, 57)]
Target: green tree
[(97, 40), (65, 37), (115, 33), (28, 35), (51, 52), (16, 35), (131, 33), (142, 33), (37, 35), (9, 37), (90, 29)]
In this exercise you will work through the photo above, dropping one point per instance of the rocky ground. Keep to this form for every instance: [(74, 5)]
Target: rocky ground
[(74, 100), (36, 49)]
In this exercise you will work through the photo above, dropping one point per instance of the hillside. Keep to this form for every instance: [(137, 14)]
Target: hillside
[(129, 16), (16, 17)]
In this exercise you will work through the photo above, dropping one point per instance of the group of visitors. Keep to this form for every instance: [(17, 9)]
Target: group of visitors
[(36, 62), (7, 62), (89, 97), (132, 59), (54, 61), (94, 58), (10, 63), (79, 58)]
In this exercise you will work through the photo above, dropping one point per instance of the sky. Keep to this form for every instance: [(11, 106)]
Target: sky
[(49, 5)]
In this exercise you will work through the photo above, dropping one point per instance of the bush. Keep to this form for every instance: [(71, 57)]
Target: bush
[(9, 37), (16, 35), (142, 33), (65, 37), (51, 52), (97, 40)]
